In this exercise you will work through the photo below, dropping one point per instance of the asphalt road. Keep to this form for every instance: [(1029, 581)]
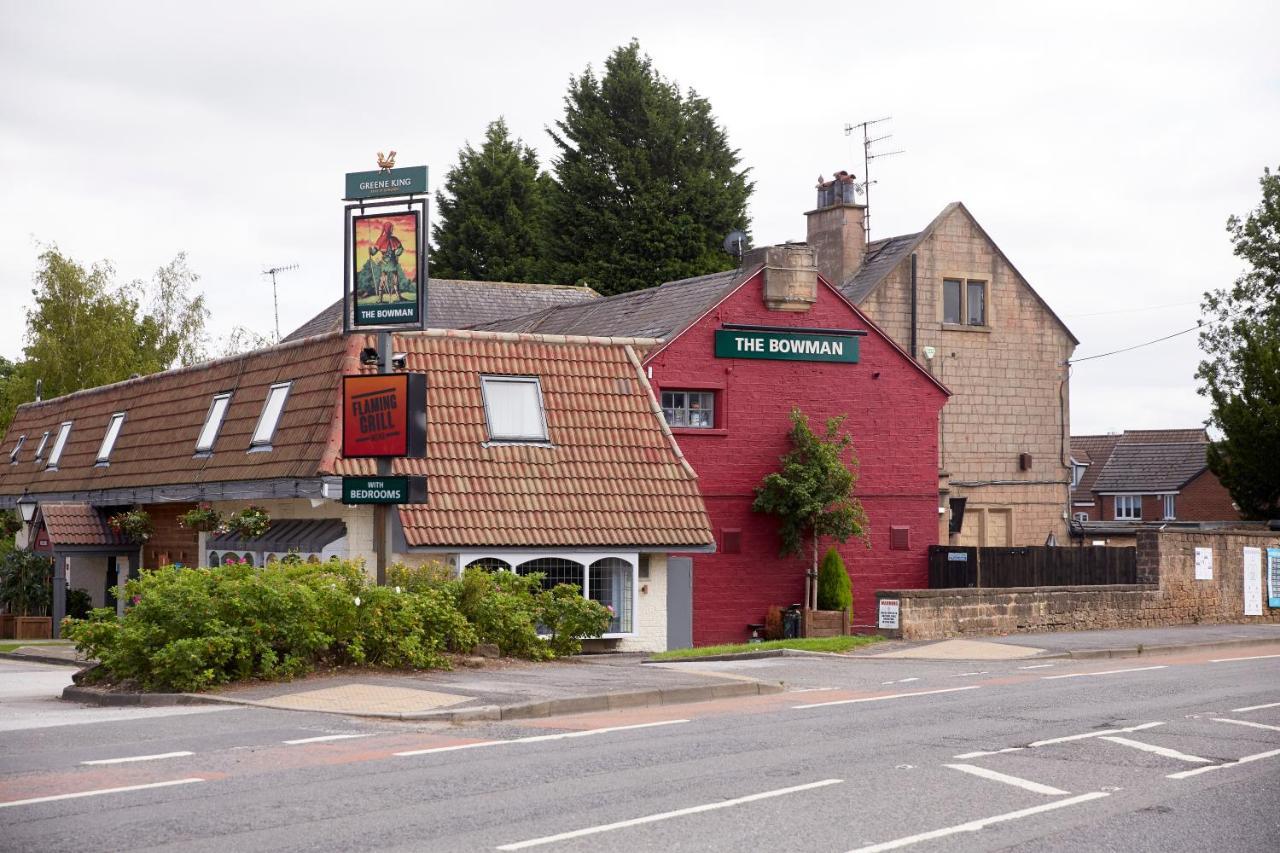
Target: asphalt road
[(1171, 753)]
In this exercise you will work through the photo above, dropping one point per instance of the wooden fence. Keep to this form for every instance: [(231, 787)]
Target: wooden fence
[(953, 568)]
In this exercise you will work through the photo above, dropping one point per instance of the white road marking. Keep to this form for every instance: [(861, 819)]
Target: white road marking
[(1250, 657), (963, 674), (1255, 707), (322, 738), (883, 698), (1158, 750), (156, 757), (653, 818), (1025, 784), (1247, 723), (56, 797), (536, 738), (1183, 774), (1037, 666), (976, 825), (901, 681), (1105, 672), (983, 752), (1101, 733)]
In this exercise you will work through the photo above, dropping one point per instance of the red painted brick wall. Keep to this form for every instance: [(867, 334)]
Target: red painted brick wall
[(1206, 499), (892, 411), (171, 542)]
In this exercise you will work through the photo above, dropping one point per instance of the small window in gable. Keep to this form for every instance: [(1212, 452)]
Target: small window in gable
[(17, 448), (270, 417), (59, 444), (213, 423), (109, 440), (513, 408), (44, 440)]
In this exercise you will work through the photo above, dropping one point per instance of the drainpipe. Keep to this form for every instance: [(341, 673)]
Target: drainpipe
[(914, 353)]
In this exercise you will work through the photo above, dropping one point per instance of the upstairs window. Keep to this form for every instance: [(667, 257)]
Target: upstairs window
[(212, 423), (1169, 508), (964, 302), (270, 417), (17, 448), (44, 440), (695, 409), (513, 408), (59, 444), (109, 440), (1129, 507), (976, 301)]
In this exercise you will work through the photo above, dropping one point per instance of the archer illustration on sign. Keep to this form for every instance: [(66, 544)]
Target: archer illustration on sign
[(385, 251)]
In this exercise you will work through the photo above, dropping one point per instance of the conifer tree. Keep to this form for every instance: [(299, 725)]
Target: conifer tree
[(491, 213), (646, 185)]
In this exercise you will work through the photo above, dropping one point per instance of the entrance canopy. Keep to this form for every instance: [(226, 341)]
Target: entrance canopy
[(304, 536)]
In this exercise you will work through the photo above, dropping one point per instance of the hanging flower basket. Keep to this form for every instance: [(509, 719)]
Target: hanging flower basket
[(10, 523), (203, 518), (134, 525), (249, 523)]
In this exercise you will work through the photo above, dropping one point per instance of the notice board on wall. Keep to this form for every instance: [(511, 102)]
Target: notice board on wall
[(1204, 564), (1273, 577), (1252, 581)]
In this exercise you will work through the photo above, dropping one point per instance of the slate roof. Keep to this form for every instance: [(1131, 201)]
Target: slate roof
[(1141, 461), (304, 535), (78, 524), (1098, 448), (458, 304), (611, 476)]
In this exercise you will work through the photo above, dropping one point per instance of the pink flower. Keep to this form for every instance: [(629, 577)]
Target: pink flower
[(612, 612)]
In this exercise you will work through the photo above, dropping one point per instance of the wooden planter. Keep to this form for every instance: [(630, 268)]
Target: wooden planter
[(6, 626), (33, 627), (824, 623)]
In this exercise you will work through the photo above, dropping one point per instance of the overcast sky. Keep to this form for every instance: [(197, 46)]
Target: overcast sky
[(1101, 145)]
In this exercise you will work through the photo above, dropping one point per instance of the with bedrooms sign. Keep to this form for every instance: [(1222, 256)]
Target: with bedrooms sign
[(783, 345)]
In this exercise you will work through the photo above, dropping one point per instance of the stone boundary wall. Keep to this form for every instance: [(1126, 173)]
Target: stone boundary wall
[(1172, 596)]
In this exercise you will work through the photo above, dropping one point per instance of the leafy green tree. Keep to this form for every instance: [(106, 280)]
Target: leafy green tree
[(834, 590), (812, 495), (491, 213), (1241, 370), (646, 185), (84, 330)]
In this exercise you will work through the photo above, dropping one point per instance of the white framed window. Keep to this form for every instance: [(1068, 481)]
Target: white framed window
[(513, 408), (270, 417), (695, 409), (1077, 473), (59, 444), (1081, 516), (213, 422), (1169, 508), (1129, 507), (44, 440), (109, 440), (17, 448), (964, 301)]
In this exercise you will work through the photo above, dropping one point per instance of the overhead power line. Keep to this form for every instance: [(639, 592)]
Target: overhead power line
[(1200, 325)]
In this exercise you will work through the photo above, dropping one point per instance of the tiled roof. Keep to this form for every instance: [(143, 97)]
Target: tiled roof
[(1151, 468), (78, 524), (458, 304), (881, 258), (1098, 449), (164, 416), (656, 312), (1164, 436), (611, 476)]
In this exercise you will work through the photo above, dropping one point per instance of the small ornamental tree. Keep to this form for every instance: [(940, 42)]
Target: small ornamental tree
[(812, 495), (834, 589)]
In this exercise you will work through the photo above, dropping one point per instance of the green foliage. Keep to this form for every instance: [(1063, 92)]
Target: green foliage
[(134, 525), (491, 213), (646, 185), (568, 617), (1241, 370), (79, 603), (84, 330), (813, 493), (26, 581), (812, 644), (503, 608), (249, 523), (10, 524), (834, 590)]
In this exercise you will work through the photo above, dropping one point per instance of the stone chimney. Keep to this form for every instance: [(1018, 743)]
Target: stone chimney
[(790, 276), (837, 229)]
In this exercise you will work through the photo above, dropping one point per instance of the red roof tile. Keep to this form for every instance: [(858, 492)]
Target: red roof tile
[(78, 524)]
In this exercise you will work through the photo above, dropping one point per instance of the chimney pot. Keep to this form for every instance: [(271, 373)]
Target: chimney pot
[(836, 229)]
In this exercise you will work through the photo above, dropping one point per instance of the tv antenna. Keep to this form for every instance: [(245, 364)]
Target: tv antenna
[(734, 244), (275, 298), (867, 156)]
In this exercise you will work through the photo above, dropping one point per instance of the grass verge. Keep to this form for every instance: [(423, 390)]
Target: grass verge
[(815, 644), (10, 645)]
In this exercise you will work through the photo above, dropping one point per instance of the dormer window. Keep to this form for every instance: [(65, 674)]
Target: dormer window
[(44, 440), (109, 440), (513, 408), (213, 422), (59, 444), (17, 448), (270, 417)]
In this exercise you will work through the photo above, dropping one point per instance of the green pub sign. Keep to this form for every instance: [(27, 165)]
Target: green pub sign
[(782, 345), (411, 180), (384, 490)]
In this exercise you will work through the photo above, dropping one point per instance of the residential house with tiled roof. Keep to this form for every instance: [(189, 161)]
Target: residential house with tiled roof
[(1144, 478), (545, 453)]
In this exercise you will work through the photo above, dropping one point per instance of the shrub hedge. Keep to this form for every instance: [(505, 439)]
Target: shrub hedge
[(191, 629)]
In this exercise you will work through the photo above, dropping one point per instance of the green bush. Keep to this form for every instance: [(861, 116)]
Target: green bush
[(25, 581), (834, 590), (567, 617), (79, 603), (503, 608)]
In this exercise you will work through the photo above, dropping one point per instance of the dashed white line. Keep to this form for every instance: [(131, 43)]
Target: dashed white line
[(536, 738), (1183, 774), (976, 825), (884, 698), (901, 681), (1105, 672), (323, 738), (132, 758), (1248, 723), (1158, 750), (1101, 733), (984, 752), (1250, 657), (98, 792), (1015, 781), (1037, 666), (963, 674), (1255, 707), (654, 818)]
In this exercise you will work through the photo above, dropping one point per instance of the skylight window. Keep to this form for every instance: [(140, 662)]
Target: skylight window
[(109, 440), (513, 408), (17, 448), (44, 440), (271, 411), (59, 444), (213, 423)]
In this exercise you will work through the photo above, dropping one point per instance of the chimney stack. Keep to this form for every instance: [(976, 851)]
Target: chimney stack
[(837, 229), (790, 277)]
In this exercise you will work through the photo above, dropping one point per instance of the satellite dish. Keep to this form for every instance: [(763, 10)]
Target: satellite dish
[(735, 242)]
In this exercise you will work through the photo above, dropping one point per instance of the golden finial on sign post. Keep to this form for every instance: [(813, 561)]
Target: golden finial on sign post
[(388, 162)]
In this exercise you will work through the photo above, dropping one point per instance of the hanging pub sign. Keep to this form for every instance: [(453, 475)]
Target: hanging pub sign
[(386, 268), (780, 344), (410, 180), (384, 415)]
